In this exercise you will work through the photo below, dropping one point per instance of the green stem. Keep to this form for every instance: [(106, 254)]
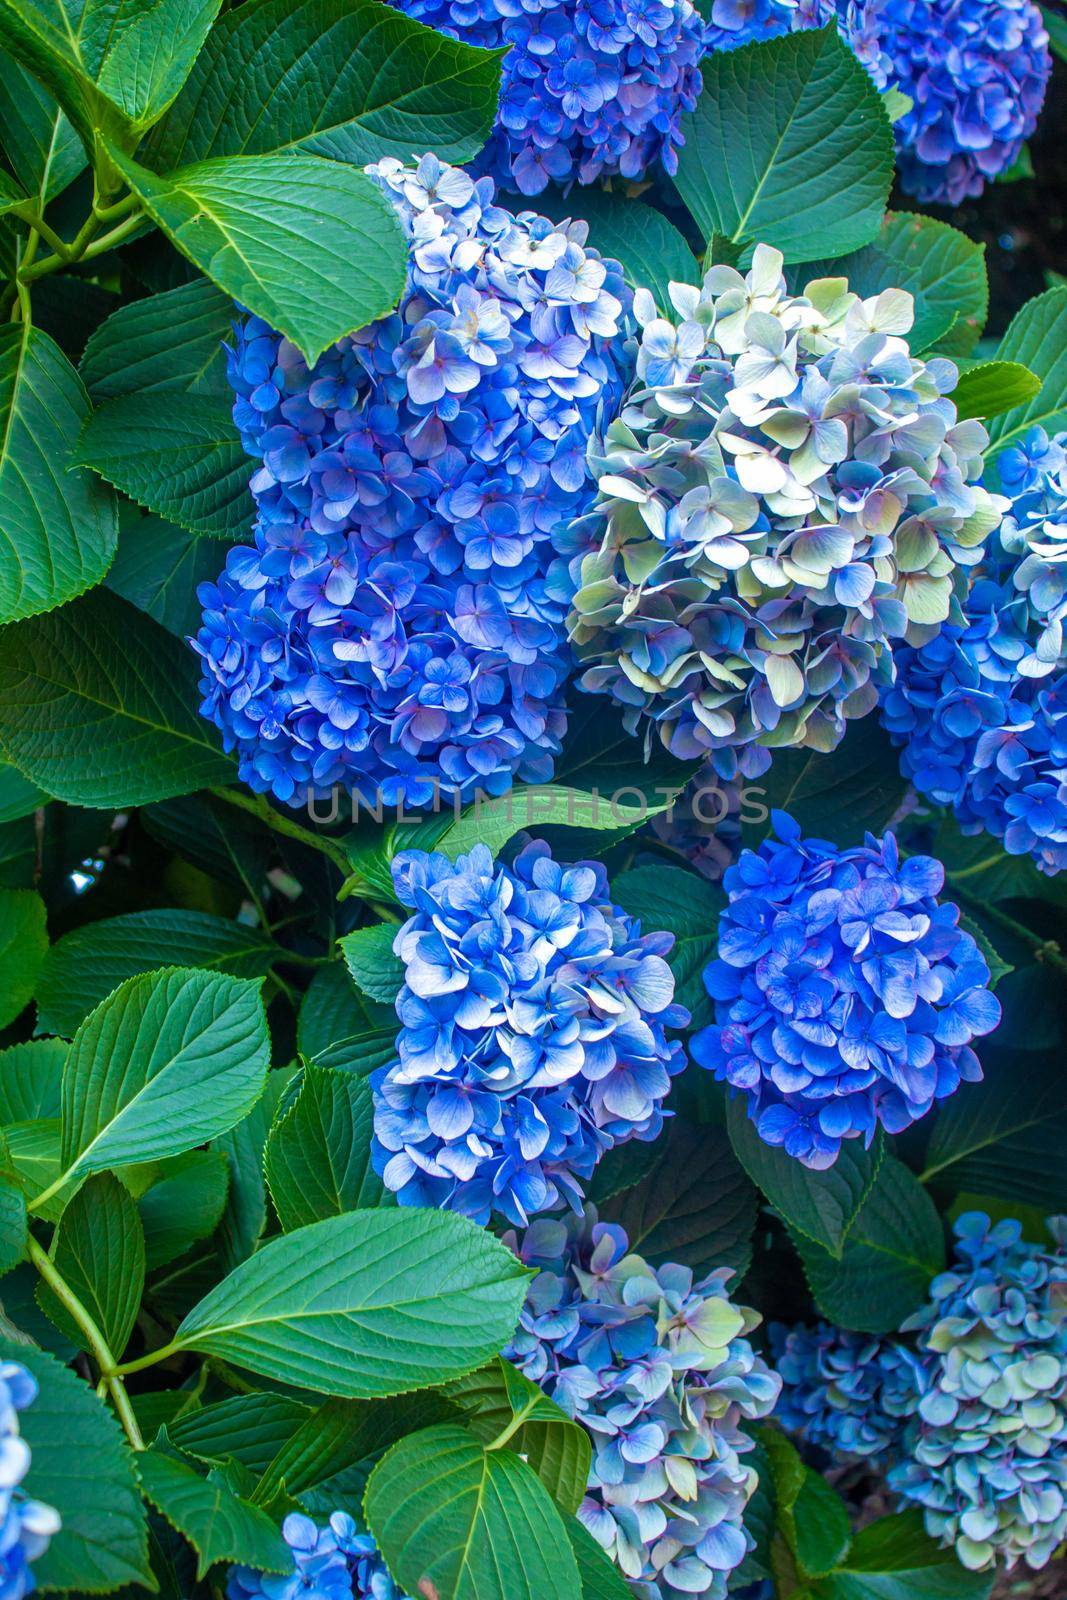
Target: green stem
[(258, 807), (94, 1339), (40, 226), (517, 1421), (1046, 950), (83, 251), (46, 1194), (113, 213), (142, 1363)]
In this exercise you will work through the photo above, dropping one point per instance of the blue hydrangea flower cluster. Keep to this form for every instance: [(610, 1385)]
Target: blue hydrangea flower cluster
[(589, 88), (975, 72), (786, 491), (26, 1526), (660, 1371), (331, 1563), (846, 995), (390, 629), (533, 1034), (845, 1393), (981, 710), (972, 1414)]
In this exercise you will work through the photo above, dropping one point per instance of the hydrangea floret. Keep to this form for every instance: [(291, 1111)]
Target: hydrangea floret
[(533, 1033), (26, 1526), (390, 630), (981, 709), (971, 1411), (846, 994), (587, 91), (845, 1393), (974, 71), (786, 491), (334, 1562), (659, 1369)]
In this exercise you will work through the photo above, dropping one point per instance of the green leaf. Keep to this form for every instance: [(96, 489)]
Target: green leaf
[(494, 821), (318, 1154), (98, 707), (114, 65), (342, 1434), (696, 1206), (58, 526), (82, 1466), (171, 1059), (33, 1154), (18, 853), (650, 250), (683, 903), (992, 1139), (820, 1525), (42, 147), (369, 957), (177, 454), (310, 245), (365, 1305), (842, 795), (13, 1223), (337, 1026), (166, 341), (1057, 31), (247, 1428), (245, 1214), (218, 1524), (998, 967), (457, 1522), (83, 967), (99, 1253), (1022, 167), (893, 1249), (159, 568), (894, 1559), (601, 1578), (937, 264), (989, 388), (557, 1448), (1037, 338), (354, 82), (23, 945), (31, 1076), (822, 1206), (11, 193), (18, 796), (183, 1204), (790, 145), (810, 1516)]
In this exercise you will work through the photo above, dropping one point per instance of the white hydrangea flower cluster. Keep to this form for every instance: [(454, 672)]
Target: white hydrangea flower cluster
[(786, 490)]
